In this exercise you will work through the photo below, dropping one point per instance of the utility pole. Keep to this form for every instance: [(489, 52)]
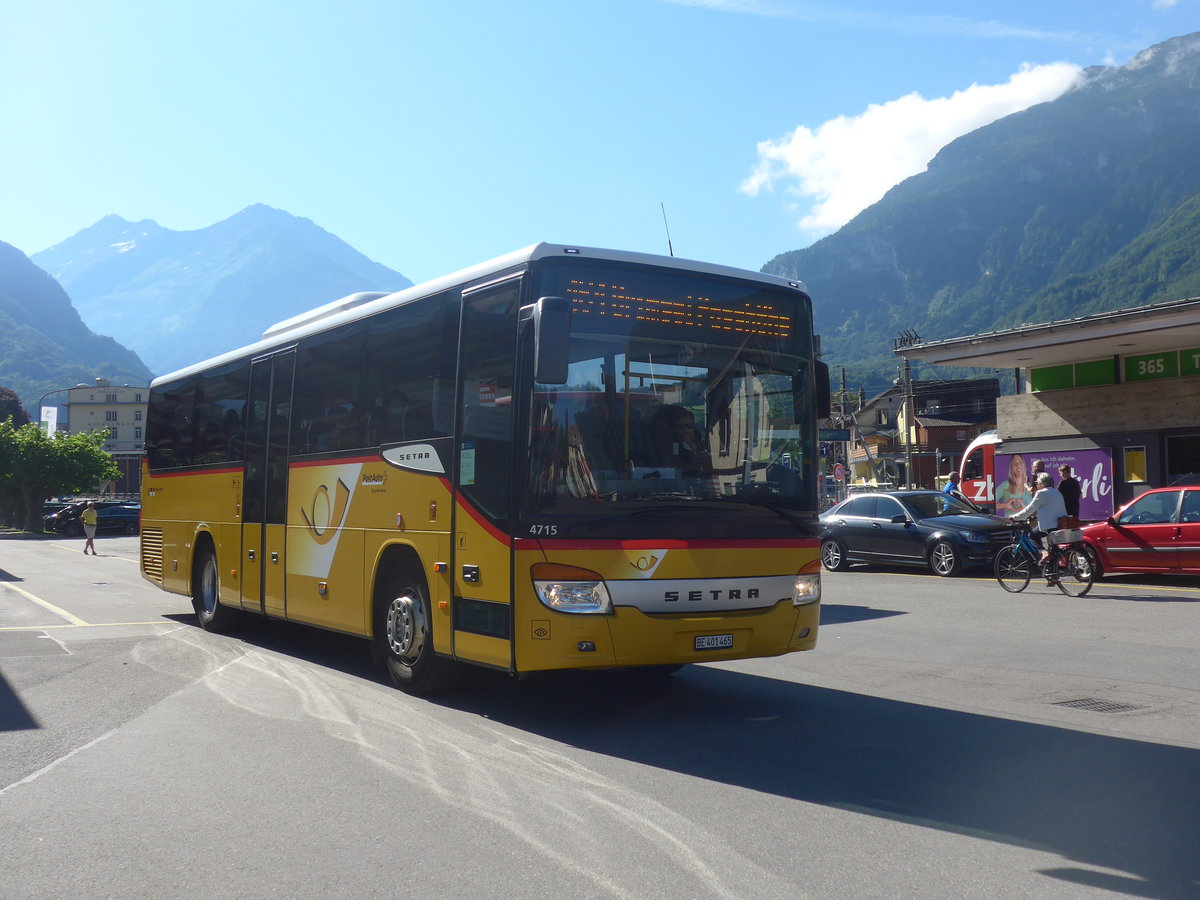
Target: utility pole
[(906, 339)]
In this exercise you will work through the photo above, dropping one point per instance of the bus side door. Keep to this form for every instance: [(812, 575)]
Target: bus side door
[(264, 504), (482, 602)]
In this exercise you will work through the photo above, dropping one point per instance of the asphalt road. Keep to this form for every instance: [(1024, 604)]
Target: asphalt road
[(945, 739)]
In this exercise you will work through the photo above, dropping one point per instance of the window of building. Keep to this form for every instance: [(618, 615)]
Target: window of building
[(137, 434), (112, 432), (1135, 464), (137, 415), (110, 415)]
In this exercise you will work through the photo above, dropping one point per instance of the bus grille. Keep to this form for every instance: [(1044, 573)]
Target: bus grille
[(152, 553)]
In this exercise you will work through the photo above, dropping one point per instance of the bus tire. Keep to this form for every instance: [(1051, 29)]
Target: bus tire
[(404, 637), (206, 592)]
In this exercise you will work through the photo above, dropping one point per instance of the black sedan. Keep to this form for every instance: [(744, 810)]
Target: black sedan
[(924, 528), (110, 517)]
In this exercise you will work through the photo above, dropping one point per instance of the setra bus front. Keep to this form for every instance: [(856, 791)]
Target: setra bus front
[(663, 504)]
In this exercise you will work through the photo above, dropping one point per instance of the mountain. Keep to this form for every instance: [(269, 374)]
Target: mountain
[(178, 297), (44, 344), (1087, 203)]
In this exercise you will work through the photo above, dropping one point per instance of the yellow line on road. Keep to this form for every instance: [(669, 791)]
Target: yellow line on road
[(74, 620), (1105, 583)]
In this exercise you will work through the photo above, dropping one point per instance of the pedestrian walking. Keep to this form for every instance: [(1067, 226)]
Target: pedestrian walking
[(88, 518)]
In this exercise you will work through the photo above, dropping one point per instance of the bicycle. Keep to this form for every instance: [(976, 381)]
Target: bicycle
[(1069, 567)]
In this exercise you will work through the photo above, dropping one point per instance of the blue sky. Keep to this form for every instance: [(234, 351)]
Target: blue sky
[(432, 135)]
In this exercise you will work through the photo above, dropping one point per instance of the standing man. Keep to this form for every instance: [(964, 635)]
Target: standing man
[(952, 487), (88, 518), (1070, 490), (1039, 468)]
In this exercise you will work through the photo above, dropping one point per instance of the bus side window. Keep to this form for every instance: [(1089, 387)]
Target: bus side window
[(973, 466)]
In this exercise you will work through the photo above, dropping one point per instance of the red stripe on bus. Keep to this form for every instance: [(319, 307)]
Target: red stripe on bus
[(483, 523), (181, 473)]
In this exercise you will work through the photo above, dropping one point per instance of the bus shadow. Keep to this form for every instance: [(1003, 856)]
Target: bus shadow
[(841, 613), (1114, 803)]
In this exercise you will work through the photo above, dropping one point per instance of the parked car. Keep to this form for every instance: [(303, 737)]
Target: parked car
[(1159, 531), (924, 528), (111, 516)]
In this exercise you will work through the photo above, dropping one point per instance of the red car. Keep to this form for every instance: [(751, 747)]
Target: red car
[(1157, 532)]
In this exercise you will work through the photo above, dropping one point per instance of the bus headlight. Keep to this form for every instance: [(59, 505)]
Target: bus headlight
[(569, 589), (807, 589)]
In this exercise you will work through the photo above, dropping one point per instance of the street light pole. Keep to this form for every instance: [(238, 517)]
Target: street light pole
[(42, 398)]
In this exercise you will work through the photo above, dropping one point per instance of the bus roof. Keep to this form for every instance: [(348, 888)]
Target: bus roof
[(360, 305)]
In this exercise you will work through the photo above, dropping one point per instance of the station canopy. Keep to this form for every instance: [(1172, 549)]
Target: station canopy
[(1125, 332)]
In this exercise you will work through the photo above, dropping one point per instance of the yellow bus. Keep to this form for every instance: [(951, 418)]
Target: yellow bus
[(565, 458)]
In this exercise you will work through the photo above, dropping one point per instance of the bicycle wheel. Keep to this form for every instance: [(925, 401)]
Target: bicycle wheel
[(1075, 578), (1013, 570)]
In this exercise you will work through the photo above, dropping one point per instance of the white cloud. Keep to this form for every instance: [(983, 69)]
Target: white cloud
[(850, 162), (1164, 4)]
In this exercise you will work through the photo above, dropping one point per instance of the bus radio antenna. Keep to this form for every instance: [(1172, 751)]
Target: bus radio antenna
[(667, 228)]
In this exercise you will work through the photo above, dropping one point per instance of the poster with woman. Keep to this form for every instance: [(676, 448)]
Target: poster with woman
[(1012, 484), (1091, 468)]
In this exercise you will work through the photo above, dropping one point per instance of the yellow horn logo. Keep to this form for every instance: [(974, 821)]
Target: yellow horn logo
[(325, 518)]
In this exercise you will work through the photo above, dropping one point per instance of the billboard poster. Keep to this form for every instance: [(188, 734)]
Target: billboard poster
[(1091, 468), (50, 420)]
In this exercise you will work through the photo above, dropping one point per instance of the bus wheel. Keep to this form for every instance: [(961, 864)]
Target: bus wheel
[(404, 637), (206, 588)]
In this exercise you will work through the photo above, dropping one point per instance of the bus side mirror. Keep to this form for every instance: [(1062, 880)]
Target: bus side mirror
[(823, 399), (551, 339), (820, 386)]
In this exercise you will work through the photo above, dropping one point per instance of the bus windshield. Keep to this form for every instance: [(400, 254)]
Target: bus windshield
[(678, 416)]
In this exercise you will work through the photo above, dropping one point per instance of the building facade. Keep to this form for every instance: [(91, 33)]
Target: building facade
[(886, 439), (120, 413), (1122, 388)]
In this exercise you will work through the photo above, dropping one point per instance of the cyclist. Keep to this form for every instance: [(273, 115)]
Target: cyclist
[(1049, 506)]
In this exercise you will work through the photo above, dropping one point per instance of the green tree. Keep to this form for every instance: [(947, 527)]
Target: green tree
[(10, 406), (35, 467)]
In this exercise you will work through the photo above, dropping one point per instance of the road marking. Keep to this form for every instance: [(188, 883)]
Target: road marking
[(105, 555), (74, 620), (160, 624), (1104, 583), (42, 771)]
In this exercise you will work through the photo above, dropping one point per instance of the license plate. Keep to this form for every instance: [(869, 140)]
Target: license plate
[(714, 641)]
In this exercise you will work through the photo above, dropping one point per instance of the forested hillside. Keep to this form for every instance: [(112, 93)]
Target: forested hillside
[(1084, 204), (44, 345)]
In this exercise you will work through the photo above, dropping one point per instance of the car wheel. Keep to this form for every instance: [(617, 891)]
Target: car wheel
[(943, 559), (1094, 558), (404, 637), (833, 555), (131, 528)]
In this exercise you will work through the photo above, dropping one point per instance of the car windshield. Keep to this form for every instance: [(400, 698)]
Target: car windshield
[(928, 506)]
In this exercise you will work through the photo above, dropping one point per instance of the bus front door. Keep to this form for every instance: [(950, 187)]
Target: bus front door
[(482, 601), (264, 497)]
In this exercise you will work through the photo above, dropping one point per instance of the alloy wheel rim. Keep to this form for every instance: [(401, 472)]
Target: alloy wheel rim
[(406, 628)]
